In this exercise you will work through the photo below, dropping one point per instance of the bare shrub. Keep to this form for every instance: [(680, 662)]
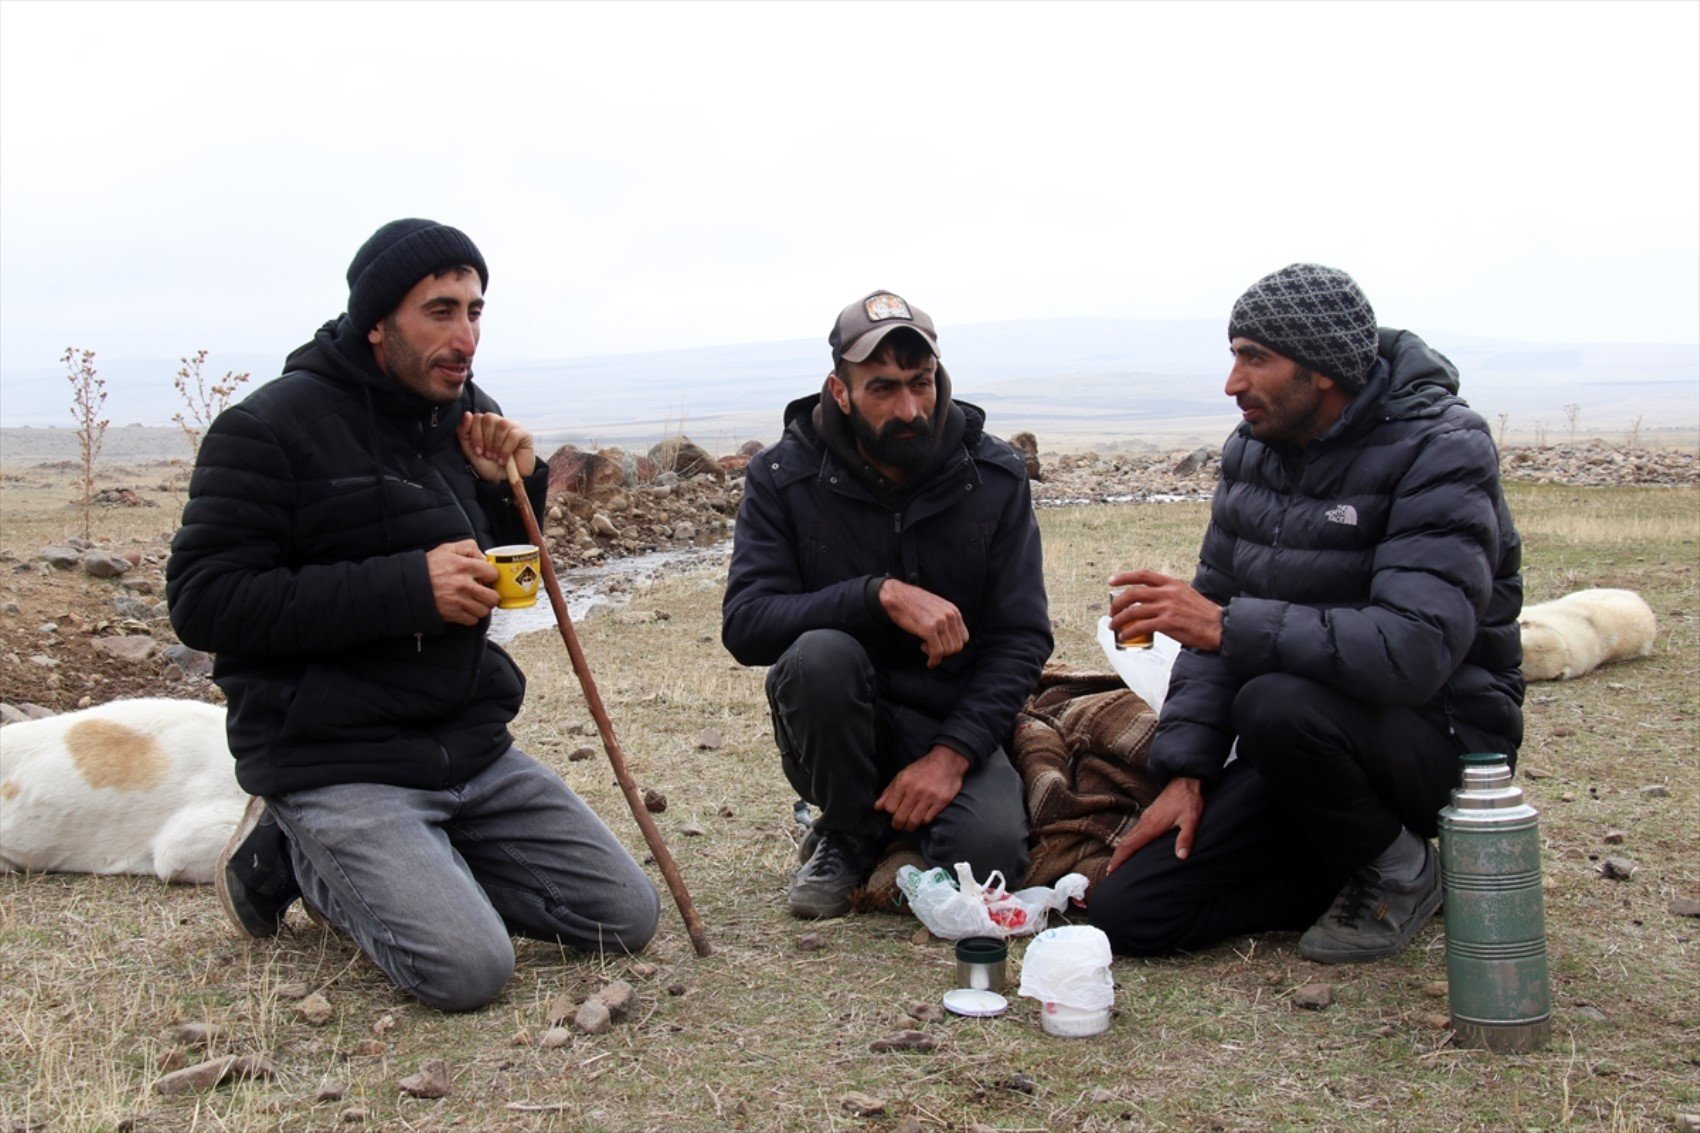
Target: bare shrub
[(88, 397), (204, 402), (1571, 413), (1504, 419), (1633, 440)]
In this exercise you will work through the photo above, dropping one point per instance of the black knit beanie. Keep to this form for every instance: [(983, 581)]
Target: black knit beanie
[(1315, 315), (396, 257)]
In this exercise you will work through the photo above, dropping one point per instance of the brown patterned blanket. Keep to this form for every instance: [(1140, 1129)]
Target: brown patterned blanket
[(1080, 745)]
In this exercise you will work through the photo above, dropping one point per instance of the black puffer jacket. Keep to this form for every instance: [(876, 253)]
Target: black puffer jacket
[(301, 564), (1380, 559), (814, 539)]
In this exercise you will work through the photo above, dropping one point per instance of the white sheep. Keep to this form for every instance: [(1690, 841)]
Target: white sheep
[(134, 786), (1574, 634)]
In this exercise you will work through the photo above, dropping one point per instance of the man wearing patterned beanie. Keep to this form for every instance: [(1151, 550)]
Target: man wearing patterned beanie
[(1351, 630), (332, 556)]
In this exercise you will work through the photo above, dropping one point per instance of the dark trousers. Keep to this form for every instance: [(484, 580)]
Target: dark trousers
[(1322, 785), (841, 743)]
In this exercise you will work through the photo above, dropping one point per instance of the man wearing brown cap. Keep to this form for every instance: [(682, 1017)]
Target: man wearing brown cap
[(331, 555), (1351, 631), (886, 564)]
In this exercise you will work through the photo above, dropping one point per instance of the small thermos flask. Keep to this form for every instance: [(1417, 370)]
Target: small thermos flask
[(1496, 949)]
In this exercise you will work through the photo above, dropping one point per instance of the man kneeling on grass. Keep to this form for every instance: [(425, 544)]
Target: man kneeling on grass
[(1352, 624), (331, 556), (886, 564)]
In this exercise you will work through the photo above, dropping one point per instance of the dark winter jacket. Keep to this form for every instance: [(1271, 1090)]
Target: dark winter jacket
[(1380, 559), (815, 538), (301, 564)]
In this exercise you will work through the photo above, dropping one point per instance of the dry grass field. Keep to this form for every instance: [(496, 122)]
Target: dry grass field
[(98, 974)]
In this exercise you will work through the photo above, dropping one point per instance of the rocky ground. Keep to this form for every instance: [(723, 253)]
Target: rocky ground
[(85, 622)]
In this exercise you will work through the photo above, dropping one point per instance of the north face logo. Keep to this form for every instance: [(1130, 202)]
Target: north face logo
[(1345, 513)]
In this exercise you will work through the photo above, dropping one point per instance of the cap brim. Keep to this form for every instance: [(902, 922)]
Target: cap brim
[(859, 350)]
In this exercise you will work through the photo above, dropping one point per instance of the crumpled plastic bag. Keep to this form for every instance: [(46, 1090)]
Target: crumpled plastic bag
[(1070, 965), (1145, 671), (961, 907)]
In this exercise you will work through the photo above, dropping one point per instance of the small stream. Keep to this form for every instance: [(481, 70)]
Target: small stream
[(606, 585)]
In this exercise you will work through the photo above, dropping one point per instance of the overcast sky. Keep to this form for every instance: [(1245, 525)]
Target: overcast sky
[(650, 176)]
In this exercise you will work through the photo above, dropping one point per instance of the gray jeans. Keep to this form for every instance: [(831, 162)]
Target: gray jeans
[(430, 884)]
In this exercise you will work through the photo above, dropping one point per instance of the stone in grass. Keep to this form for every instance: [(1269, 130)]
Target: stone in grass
[(909, 1125), (292, 991), (383, 1025), (1313, 997), (315, 1010), (213, 1073), (1685, 906), (1688, 1123), (643, 971), (811, 942), (331, 1092), (1617, 869), (619, 997), (555, 1038), (432, 1081), (580, 754), (1435, 989), (369, 1048), (593, 1018), (709, 740), (862, 1105), (1614, 837), (561, 1008), (918, 1041), (353, 1115), (200, 1034), (925, 1012), (1655, 791), (1437, 1022), (1018, 1082), (654, 801), (134, 647)]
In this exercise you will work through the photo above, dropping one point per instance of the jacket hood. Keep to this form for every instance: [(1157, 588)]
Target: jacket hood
[(1422, 382)]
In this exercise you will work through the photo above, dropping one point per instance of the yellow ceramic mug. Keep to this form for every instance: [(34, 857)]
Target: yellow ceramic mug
[(518, 574)]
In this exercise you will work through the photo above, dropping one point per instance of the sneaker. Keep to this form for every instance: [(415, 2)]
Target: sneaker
[(253, 875), (1374, 917), (836, 864)]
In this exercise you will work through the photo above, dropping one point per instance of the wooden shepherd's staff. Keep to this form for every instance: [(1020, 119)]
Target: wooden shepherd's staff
[(651, 833)]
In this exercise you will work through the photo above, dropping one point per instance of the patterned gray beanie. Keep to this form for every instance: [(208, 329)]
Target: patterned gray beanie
[(1315, 315)]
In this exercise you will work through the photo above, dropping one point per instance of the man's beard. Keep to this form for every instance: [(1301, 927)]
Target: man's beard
[(412, 369), (887, 447)]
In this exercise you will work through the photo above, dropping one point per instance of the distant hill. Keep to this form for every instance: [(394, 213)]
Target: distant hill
[(1073, 382)]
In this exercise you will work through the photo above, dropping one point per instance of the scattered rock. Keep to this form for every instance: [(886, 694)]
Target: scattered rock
[(618, 997), (1437, 1022), (709, 740), (200, 1034), (383, 1025), (593, 1018), (580, 754), (1685, 906), (1589, 1011), (315, 1010), (191, 662), (604, 526), (1617, 869), (1688, 1123), (1313, 997), (1019, 1082), (1655, 791), (353, 1115), (909, 1125), (1563, 731), (561, 1008), (292, 991), (811, 942), (654, 801), (925, 1012), (862, 1105), (174, 1059), (432, 1081), (692, 830), (918, 1041), (642, 970), (331, 1092), (211, 1074), (1435, 989), (921, 935), (101, 564), (1193, 462), (61, 558), (555, 1038), (1534, 773), (134, 647), (1613, 838), (676, 990), (369, 1048)]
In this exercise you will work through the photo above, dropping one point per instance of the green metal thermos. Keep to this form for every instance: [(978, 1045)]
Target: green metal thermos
[(1496, 947)]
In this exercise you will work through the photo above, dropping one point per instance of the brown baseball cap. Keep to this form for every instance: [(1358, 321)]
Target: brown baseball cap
[(864, 324)]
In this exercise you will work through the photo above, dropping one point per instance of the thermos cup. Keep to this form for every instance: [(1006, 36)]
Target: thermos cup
[(1496, 957)]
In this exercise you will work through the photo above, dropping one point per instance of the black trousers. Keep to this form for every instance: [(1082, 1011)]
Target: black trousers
[(1322, 784), (841, 743)]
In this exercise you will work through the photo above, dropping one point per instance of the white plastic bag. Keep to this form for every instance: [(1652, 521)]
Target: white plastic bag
[(1069, 965), (1145, 671), (962, 907)]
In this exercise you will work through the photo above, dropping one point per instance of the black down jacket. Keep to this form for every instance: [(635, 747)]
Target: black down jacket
[(813, 540), (301, 564), (1380, 559)]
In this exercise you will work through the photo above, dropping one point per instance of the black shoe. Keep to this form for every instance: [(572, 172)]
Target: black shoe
[(253, 875), (837, 863), (1374, 917)]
